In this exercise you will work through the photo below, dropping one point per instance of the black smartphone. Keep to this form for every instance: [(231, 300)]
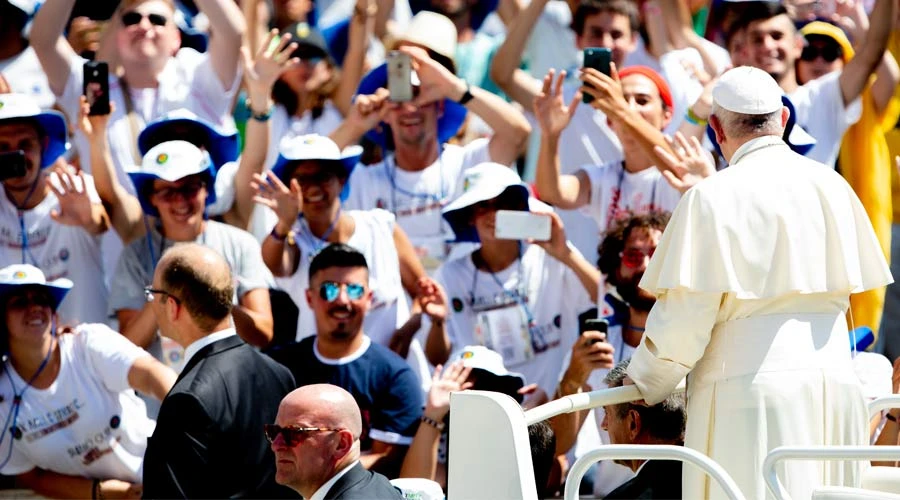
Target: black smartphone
[(599, 325), (599, 59), (96, 87), (12, 165)]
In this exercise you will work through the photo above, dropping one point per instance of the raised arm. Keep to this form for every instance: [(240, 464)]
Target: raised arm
[(76, 208), (564, 191), (855, 75), (362, 24), (260, 74), (51, 47), (505, 72), (279, 251), (853, 19), (227, 27), (149, 376), (510, 127), (124, 209), (253, 318), (366, 113)]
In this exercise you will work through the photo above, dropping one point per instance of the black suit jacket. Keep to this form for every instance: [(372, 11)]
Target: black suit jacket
[(209, 440), (659, 479), (361, 484)]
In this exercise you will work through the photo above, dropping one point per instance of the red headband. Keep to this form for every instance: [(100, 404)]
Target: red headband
[(664, 93)]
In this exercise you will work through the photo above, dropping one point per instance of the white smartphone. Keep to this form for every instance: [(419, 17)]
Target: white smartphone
[(399, 70), (521, 225)]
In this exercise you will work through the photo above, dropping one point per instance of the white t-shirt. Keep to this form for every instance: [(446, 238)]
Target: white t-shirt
[(536, 285), (25, 75), (617, 193), (89, 422), (374, 238), (187, 81), (685, 87), (284, 125), (59, 251), (552, 42), (416, 198), (821, 112)]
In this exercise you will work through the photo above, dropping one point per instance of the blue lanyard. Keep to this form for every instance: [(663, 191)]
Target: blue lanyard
[(390, 163), (317, 244), (17, 399), (21, 212), (518, 294)]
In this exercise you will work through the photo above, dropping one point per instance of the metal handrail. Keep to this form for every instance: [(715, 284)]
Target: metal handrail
[(652, 452), (586, 401), (884, 403), (835, 452)]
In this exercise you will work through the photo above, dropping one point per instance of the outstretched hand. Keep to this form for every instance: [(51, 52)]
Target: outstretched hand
[(262, 71), (93, 126), (75, 205), (443, 383), (285, 202), (551, 111), (606, 90), (432, 299), (690, 164)]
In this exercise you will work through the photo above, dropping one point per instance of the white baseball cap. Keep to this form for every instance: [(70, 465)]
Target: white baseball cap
[(747, 90)]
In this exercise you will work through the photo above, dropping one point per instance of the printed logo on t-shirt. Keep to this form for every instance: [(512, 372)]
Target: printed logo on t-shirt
[(457, 304), (39, 426)]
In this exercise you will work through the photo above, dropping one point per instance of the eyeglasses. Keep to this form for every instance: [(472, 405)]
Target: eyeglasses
[(150, 294), (133, 17), (186, 191), (292, 436), (330, 290), (316, 179), (828, 52), (634, 258), (31, 298)]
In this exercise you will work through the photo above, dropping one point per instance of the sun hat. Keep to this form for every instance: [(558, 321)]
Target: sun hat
[(318, 148), (222, 146), (52, 123), (481, 183), (171, 161), (820, 28), (480, 10), (490, 363), (418, 488), (448, 123), (435, 32), (19, 275), (747, 90), (665, 93)]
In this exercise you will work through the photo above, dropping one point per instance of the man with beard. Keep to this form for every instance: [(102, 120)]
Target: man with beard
[(624, 254), (341, 354)]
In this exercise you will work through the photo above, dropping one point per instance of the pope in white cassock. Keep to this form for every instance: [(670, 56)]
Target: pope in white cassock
[(753, 277)]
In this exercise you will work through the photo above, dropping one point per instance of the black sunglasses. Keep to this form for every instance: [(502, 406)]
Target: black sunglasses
[(828, 52), (186, 191), (316, 179), (292, 436), (38, 298), (133, 17)]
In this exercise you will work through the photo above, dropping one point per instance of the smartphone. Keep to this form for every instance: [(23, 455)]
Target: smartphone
[(399, 69), (598, 325), (96, 87), (599, 59), (12, 165), (521, 225)]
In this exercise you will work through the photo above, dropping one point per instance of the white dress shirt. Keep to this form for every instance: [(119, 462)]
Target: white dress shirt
[(205, 341), (323, 490)]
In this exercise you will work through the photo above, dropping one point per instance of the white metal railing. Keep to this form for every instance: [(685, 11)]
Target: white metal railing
[(587, 401), (837, 452), (652, 452), (883, 403)]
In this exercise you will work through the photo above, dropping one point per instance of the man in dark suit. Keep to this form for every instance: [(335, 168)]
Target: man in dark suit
[(208, 441), (662, 423), (326, 420)]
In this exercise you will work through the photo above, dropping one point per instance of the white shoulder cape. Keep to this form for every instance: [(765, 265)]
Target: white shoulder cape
[(772, 223)]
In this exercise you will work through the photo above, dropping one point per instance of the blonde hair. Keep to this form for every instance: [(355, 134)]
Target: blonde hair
[(127, 5)]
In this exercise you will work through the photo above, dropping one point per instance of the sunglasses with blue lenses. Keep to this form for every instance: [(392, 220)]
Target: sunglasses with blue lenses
[(330, 290)]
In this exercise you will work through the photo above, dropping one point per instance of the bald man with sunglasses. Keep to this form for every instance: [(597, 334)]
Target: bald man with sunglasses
[(316, 444), (382, 383)]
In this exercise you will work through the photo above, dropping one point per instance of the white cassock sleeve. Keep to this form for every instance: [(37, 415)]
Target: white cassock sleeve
[(678, 330)]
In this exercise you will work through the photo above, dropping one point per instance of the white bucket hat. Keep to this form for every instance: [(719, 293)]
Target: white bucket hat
[(19, 275), (52, 124), (480, 357), (316, 147), (171, 161), (433, 31)]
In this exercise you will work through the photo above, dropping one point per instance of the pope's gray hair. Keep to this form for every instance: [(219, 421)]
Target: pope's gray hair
[(741, 125)]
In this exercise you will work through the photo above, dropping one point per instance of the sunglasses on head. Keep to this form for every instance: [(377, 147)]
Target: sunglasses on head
[(634, 258), (133, 17), (292, 436), (330, 290), (828, 52), (188, 190), (30, 298)]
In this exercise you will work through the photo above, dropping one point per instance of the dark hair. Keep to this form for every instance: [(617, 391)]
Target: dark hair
[(754, 12), (207, 298), (315, 103), (664, 421), (543, 451), (334, 166), (589, 8), (614, 241), (336, 255)]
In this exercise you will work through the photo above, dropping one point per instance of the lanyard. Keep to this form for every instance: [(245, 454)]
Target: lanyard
[(390, 163), (131, 113), (316, 243), (518, 294), (617, 197), (20, 210), (154, 256)]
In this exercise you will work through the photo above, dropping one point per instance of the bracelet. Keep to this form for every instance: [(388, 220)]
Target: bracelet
[(890, 417), (96, 494), (432, 422), (260, 117), (693, 119), (467, 95), (277, 237)]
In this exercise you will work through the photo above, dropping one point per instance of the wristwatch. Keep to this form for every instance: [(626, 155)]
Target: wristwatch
[(467, 95)]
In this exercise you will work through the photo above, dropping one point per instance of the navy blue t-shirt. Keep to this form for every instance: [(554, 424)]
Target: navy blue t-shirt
[(385, 388)]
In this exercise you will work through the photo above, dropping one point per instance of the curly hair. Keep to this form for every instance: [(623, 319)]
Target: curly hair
[(614, 241)]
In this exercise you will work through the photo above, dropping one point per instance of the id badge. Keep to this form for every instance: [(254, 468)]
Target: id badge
[(505, 330), (173, 354)]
